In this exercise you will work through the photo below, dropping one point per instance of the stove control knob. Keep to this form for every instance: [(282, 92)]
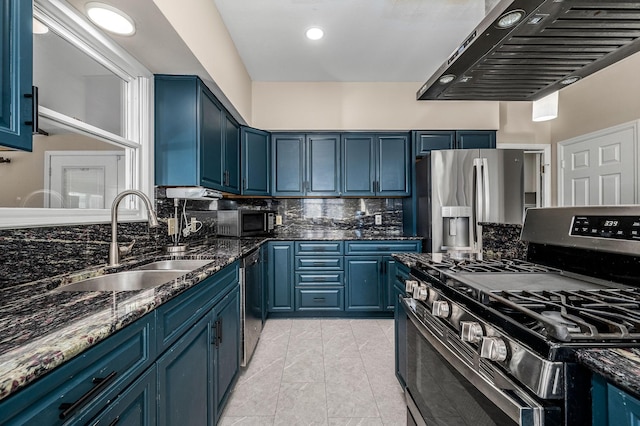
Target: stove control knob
[(409, 285), (493, 348), (421, 292), (441, 309), (470, 332)]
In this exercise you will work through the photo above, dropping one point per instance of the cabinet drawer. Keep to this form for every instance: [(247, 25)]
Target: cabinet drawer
[(179, 314), (329, 263), (381, 247), (72, 393), (319, 247), (330, 299), (320, 278)]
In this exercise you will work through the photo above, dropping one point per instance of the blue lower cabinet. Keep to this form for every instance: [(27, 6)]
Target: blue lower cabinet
[(363, 283), (280, 276), (319, 299), (611, 406), (72, 393), (227, 347), (136, 406), (185, 374)]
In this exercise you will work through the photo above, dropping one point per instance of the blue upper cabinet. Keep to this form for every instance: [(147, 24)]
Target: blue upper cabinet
[(358, 164), (306, 164), (196, 141), (428, 140), (470, 139), (376, 164), (16, 74), (323, 165), (288, 164), (256, 162)]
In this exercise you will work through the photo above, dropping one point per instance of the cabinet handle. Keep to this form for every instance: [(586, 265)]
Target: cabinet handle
[(115, 421), (219, 332), (35, 100), (100, 382), (318, 299), (244, 183)]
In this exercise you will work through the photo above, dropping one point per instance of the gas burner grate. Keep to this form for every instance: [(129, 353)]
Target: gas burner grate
[(513, 265), (593, 315)]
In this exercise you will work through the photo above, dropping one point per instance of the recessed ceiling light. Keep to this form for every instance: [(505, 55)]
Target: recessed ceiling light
[(39, 27), (315, 33), (110, 18), (446, 79), (509, 19), (569, 80)]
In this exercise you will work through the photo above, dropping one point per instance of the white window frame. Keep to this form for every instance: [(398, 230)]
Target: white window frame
[(75, 28)]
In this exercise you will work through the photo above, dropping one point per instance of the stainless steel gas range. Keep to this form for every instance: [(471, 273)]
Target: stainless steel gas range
[(494, 342)]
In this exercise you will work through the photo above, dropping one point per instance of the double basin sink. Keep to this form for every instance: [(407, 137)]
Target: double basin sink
[(143, 277)]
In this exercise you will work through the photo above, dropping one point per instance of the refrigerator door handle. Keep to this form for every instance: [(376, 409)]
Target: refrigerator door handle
[(485, 189), (477, 198)]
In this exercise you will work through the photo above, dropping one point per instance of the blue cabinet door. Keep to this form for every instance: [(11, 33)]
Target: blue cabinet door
[(231, 166), (323, 165), (623, 409), (358, 164), (136, 406), (256, 162), (426, 141), (185, 378), (16, 74), (393, 166), (228, 343), (281, 278), (363, 283), (288, 165), (177, 146), (475, 139), (211, 119)]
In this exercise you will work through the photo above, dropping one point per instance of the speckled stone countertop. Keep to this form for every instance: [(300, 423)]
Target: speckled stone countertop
[(41, 328), (618, 366)]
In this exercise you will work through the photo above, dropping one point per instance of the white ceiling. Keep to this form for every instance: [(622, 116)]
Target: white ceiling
[(365, 40)]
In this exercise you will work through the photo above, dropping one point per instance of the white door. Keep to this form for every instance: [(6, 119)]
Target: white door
[(83, 180), (598, 169)]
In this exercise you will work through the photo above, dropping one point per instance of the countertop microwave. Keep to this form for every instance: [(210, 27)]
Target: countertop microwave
[(245, 223)]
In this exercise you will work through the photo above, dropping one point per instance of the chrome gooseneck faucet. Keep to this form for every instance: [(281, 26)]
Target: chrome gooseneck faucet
[(114, 249)]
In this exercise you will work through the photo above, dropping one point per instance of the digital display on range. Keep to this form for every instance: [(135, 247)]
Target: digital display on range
[(616, 227)]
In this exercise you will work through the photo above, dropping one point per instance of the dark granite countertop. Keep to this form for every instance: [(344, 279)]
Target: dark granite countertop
[(620, 366), (41, 328)]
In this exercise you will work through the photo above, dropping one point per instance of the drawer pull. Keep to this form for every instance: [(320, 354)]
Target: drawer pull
[(100, 384), (319, 299), (318, 263), (115, 421)]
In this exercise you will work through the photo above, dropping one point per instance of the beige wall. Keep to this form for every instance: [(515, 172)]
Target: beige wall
[(362, 106), (604, 99), (199, 24)]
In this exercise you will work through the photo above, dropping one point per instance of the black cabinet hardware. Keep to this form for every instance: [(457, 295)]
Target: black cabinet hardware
[(101, 382)]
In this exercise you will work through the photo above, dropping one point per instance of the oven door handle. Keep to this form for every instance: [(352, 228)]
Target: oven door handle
[(526, 412)]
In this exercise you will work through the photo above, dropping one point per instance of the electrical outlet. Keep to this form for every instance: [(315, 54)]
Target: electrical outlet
[(171, 226), (194, 224), (278, 219), (378, 219)]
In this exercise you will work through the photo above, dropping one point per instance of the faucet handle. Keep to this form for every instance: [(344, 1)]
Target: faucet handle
[(125, 250)]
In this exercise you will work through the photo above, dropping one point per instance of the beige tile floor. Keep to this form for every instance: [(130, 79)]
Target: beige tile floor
[(320, 372)]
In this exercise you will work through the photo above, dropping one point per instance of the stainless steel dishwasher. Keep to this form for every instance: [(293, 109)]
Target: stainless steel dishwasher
[(251, 283)]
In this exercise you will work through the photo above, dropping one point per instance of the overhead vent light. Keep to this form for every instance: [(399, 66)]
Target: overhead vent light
[(569, 80), (446, 79), (510, 19)]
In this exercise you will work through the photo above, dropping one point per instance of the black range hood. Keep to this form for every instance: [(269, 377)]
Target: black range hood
[(556, 42)]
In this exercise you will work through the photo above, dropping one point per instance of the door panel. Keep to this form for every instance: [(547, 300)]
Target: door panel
[(323, 164), (211, 161), (228, 351), (358, 164), (598, 169), (288, 164), (363, 283), (393, 165)]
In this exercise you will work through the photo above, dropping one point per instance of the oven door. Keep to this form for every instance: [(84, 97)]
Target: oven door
[(442, 388)]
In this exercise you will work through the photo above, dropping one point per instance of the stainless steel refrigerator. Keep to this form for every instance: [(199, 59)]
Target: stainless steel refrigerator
[(458, 189)]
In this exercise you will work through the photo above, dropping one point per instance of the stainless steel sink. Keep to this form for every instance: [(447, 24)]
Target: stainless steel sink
[(125, 281), (182, 264)]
